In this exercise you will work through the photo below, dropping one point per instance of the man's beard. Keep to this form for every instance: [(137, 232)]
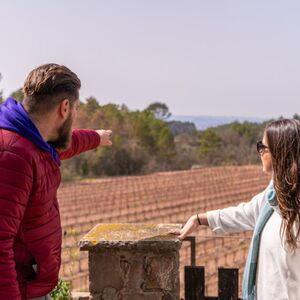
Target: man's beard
[(64, 134)]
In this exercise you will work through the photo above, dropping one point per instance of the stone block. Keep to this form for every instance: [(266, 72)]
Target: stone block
[(133, 262), (161, 272), (143, 296)]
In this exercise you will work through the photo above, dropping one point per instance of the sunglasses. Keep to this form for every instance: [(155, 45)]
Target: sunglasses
[(260, 147)]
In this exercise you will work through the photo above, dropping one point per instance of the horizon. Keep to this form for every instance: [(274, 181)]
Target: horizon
[(204, 122), (219, 116)]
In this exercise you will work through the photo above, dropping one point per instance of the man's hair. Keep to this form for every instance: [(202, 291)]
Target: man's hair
[(47, 85)]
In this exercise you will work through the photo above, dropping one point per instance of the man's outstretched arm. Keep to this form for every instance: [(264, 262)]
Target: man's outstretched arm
[(84, 140)]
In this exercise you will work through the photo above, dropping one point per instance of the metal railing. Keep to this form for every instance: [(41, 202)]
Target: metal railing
[(194, 279)]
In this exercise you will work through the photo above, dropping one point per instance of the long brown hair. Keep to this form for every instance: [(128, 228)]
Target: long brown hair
[(283, 137)]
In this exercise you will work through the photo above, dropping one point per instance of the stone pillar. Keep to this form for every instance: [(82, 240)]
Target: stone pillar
[(133, 262)]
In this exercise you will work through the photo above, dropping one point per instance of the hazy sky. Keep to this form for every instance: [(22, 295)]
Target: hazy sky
[(202, 57)]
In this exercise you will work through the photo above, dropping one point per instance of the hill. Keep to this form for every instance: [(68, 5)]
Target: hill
[(204, 122)]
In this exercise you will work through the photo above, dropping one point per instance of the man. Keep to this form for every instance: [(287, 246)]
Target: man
[(33, 136)]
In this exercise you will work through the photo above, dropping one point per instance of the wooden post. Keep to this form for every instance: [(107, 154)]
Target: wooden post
[(228, 284), (194, 283)]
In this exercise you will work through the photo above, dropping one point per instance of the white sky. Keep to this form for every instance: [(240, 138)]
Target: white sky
[(201, 57)]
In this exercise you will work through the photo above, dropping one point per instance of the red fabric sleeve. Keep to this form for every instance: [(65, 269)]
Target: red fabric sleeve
[(82, 140), (15, 187)]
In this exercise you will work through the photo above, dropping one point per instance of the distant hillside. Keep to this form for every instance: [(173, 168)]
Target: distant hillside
[(203, 122), (178, 127)]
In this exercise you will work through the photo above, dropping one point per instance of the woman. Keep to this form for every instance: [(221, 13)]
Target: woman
[(273, 266)]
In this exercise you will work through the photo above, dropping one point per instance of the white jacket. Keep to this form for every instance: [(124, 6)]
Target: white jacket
[(278, 273)]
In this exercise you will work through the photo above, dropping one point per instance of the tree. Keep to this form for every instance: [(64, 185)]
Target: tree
[(84, 168), (166, 147), (296, 116), (210, 146), (117, 162), (251, 131), (160, 110), (165, 140), (92, 105), (230, 144), (143, 129), (18, 94)]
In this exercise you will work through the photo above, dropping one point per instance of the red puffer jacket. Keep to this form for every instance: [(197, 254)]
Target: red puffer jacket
[(30, 229)]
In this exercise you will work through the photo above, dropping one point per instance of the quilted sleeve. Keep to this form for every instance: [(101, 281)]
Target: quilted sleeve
[(82, 140), (15, 187)]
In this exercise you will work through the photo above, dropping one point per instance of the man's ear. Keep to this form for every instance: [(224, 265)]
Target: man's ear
[(63, 109)]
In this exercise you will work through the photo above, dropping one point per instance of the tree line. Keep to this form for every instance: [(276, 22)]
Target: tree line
[(144, 141)]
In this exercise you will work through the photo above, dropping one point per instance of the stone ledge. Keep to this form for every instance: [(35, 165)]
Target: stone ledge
[(137, 236)]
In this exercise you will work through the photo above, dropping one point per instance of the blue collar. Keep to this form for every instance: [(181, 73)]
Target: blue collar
[(14, 117)]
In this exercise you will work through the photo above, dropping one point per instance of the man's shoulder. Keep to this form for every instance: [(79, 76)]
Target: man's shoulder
[(15, 143)]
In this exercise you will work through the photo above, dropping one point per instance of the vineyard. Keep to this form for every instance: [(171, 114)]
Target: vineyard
[(170, 197)]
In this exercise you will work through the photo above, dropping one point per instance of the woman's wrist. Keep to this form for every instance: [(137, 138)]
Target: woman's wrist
[(201, 219), (198, 220)]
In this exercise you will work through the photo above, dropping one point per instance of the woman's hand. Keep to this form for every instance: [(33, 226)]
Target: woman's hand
[(190, 226)]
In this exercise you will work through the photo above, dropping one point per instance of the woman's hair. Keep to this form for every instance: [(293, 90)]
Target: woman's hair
[(47, 85), (283, 137)]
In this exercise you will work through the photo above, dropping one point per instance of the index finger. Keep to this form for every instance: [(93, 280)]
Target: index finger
[(175, 231)]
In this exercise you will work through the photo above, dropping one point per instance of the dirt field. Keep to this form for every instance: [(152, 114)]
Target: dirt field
[(160, 198)]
